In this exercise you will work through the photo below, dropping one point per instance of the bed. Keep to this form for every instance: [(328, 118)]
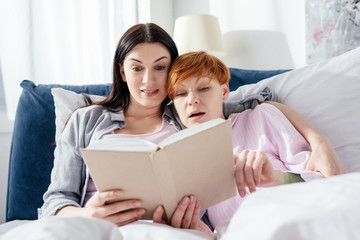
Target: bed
[(326, 94)]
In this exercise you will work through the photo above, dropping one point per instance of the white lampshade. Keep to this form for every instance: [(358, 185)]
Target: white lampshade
[(199, 33), (257, 50)]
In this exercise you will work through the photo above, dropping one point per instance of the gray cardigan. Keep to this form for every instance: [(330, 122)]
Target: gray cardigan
[(69, 176)]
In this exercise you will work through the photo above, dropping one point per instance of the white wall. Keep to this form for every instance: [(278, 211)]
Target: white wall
[(287, 17), (5, 139), (156, 11), (6, 127), (190, 7), (284, 16), (164, 12)]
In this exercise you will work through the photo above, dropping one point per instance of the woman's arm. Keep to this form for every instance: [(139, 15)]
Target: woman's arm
[(323, 157)]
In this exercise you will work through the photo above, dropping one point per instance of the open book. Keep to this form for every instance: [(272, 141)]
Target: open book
[(196, 161)]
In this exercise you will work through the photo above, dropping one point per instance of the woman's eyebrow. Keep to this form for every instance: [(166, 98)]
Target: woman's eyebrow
[(136, 60), (160, 58)]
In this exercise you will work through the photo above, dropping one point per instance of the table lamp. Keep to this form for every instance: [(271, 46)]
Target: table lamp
[(257, 50), (199, 33)]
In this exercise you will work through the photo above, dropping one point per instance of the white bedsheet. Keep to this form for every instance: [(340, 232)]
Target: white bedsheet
[(322, 209)]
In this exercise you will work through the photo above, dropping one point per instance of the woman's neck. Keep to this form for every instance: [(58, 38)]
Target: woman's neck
[(140, 112), (140, 120)]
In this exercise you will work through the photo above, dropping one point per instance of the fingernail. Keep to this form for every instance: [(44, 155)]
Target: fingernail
[(158, 209), (191, 199), (136, 203), (117, 193), (197, 204), (140, 212), (185, 201), (242, 193)]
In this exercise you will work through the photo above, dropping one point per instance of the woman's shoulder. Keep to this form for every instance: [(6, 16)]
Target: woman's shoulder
[(93, 113), (267, 114), (94, 119), (87, 112), (91, 110), (262, 110), (267, 109)]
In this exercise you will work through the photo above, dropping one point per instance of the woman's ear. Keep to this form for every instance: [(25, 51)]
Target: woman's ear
[(122, 72), (225, 91)]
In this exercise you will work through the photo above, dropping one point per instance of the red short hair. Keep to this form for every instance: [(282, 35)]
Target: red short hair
[(196, 64)]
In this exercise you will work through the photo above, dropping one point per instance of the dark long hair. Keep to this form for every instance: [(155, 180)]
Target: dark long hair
[(119, 98)]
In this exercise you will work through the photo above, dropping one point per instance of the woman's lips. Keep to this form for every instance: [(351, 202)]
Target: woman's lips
[(150, 93), (196, 115)]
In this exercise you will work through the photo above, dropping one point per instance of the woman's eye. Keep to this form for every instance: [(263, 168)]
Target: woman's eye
[(180, 94), (204, 89), (160, 67), (136, 69)]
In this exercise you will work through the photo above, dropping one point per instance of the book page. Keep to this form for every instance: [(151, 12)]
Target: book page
[(123, 144), (165, 181), (190, 131), (203, 166), (131, 172)]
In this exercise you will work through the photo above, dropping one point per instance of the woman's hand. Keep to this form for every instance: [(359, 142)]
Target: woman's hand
[(253, 169), (119, 212), (186, 215)]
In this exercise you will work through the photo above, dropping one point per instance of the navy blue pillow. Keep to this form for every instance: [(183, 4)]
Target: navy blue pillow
[(240, 77), (32, 148)]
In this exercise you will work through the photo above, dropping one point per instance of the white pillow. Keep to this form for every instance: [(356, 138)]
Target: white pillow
[(66, 102), (327, 95)]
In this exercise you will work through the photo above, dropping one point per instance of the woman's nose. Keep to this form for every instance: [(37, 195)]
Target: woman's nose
[(193, 99), (148, 76)]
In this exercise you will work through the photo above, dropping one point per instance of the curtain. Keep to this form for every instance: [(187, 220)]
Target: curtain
[(64, 42)]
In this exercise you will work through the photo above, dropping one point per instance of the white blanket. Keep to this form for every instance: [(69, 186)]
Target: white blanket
[(321, 209), (79, 228)]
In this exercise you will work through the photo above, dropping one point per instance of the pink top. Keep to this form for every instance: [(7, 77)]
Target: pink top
[(155, 137), (267, 130)]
